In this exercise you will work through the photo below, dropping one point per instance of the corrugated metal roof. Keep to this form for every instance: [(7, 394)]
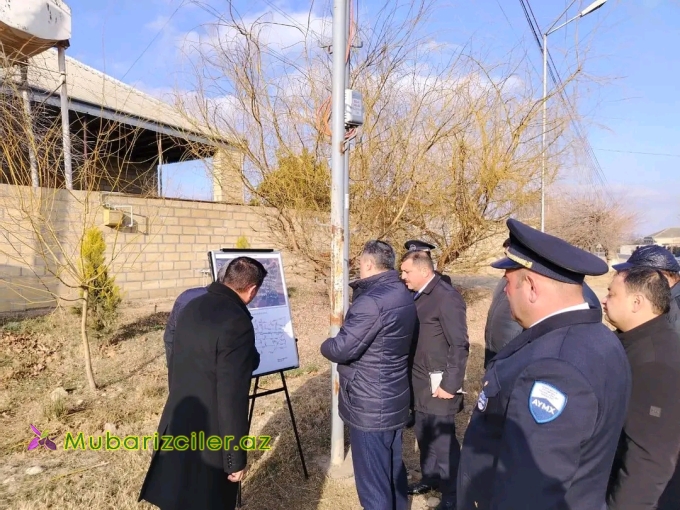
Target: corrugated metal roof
[(88, 85)]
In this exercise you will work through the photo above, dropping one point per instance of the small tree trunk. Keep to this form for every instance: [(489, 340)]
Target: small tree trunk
[(86, 343)]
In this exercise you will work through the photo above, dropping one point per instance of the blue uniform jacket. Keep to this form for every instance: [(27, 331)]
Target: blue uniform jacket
[(546, 425)]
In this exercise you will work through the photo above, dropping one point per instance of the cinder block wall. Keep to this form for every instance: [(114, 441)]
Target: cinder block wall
[(162, 254)]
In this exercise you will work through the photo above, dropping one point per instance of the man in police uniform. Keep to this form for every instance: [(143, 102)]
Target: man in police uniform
[(415, 245), (553, 402)]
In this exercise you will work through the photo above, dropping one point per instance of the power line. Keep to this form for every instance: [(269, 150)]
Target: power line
[(154, 39), (557, 81), (644, 153)]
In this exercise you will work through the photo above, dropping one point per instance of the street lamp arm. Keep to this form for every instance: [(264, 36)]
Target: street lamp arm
[(592, 7), (563, 24), (550, 29)]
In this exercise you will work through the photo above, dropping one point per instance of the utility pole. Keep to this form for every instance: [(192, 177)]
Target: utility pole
[(337, 217), (345, 247)]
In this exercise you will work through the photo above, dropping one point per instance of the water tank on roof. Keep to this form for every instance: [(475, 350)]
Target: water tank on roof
[(29, 27)]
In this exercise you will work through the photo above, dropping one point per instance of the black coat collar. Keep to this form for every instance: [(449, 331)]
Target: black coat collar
[(561, 320), (428, 288), (222, 290), (649, 328)]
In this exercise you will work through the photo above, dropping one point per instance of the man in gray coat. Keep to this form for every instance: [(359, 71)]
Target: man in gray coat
[(372, 352)]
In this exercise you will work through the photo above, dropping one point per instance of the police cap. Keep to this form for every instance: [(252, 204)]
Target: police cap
[(548, 255), (651, 256), (416, 245)]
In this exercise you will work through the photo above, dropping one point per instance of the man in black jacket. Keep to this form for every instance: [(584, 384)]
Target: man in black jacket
[(657, 257), (213, 359), (441, 351), (372, 353), (636, 305)]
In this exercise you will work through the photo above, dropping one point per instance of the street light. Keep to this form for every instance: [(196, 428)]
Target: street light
[(591, 8)]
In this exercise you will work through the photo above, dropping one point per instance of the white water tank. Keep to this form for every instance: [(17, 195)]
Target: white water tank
[(29, 27)]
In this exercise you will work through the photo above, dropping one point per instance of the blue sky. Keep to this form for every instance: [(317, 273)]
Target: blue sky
[(631, 106)]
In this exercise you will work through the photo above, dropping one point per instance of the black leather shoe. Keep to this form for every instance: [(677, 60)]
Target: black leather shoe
[(446, 505), (418, 488)]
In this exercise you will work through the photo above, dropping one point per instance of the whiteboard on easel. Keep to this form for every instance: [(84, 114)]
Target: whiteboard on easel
[(274, 337)]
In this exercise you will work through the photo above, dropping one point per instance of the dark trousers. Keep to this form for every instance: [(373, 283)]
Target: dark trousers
[(379, 471), (670, 499), (439, 452)]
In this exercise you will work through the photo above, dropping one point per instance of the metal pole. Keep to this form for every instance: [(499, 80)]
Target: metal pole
[(25, 94), (160, 167), (345, 247), (337, 206), (545, 94), (65, 124)]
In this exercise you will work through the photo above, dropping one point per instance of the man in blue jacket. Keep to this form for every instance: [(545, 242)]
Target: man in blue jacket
[(372, 352)]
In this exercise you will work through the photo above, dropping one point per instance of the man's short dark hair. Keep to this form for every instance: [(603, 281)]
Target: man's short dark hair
[(382, 254), (506, 243), (651, 284), (242, 273), (419, 258)]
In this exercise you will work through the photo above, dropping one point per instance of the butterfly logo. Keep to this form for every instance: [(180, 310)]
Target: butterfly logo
[(41, 439)]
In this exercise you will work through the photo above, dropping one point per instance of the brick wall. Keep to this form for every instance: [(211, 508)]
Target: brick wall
[(163, 253)]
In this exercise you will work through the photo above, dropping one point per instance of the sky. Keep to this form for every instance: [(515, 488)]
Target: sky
[(627, 50)]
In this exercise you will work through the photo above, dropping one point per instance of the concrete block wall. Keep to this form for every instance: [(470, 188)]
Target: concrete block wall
[(162, 254)]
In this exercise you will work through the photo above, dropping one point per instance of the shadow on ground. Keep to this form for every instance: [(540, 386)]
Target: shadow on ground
[(276, 479), (154, 322)]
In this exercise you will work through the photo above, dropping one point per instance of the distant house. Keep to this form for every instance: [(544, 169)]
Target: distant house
[(668, 238)]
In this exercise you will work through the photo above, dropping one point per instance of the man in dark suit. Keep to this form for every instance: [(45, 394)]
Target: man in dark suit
[(213, 359), (553, 402), (441, 351), (416, 245)]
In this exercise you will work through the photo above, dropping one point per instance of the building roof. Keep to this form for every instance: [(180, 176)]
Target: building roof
[(91, 91), (667, 232)]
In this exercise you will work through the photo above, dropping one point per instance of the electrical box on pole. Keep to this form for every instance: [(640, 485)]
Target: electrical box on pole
[(354, 108)]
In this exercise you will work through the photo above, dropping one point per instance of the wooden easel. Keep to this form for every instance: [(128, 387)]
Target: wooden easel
[(284, 388)]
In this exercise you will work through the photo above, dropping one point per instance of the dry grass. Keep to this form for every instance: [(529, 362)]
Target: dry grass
[(40, 354)]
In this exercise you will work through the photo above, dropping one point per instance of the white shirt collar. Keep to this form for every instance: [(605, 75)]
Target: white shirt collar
[(582, 306), (426, 284)]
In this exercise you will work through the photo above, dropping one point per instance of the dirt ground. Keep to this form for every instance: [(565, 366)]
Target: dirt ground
[(40, 355)]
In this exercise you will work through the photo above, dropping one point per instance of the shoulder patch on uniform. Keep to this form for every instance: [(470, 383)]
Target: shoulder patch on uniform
[(546, 402), (482, 401)]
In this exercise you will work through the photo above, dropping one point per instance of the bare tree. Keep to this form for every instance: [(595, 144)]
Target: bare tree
[(449, 148), (50, 243), (592, 218)]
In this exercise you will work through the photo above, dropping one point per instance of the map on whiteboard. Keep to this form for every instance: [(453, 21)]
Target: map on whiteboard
[(272, 292), (274, 337)]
